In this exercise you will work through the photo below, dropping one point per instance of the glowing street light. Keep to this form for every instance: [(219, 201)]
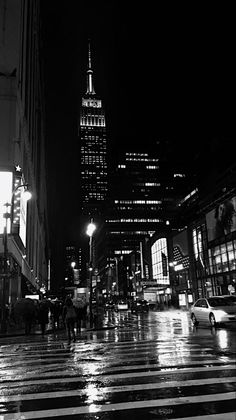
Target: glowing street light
[(90, 229)]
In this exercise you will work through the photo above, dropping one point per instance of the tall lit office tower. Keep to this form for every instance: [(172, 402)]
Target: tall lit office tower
[(93, 166), (93, 147)]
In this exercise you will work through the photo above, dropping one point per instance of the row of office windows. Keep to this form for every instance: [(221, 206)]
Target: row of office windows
[(121, 166), (132, 233), (137, 208), (135, 221), (138, 201)]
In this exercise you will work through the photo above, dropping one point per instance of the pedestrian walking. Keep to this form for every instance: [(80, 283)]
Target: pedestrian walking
[(80, 306), (69, 317), (43, 310), (56, 310)]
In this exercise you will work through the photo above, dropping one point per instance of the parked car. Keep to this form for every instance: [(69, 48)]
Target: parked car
[(140, 305), (213, 310), (232, 298), (122, 305)]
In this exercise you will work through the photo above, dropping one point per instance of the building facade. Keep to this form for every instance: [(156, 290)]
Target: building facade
[(143, 200), (201, 255), (24, 243)]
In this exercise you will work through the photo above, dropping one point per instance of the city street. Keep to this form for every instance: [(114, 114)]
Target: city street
[(147, 366)]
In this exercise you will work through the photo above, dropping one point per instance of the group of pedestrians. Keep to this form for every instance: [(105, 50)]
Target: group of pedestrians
[(69, 315), (73, 314)]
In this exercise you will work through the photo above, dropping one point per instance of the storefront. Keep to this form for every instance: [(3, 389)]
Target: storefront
[(214, 245)]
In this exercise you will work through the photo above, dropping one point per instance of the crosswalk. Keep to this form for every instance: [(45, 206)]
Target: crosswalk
[(111, 379)]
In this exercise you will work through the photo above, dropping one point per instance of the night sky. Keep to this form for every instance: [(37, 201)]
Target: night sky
[(160, 71)]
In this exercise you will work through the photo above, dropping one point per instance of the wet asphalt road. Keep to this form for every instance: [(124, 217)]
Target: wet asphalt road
[(149, 366)]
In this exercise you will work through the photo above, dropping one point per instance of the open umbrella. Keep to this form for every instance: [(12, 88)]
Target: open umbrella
[(24, 307)]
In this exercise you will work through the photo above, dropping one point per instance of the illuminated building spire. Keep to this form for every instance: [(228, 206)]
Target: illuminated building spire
[(90, 88)]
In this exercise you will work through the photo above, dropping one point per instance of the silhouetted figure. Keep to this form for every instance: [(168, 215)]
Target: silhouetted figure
[(28, 320), (56, 310), (69, 317), (43, 315)]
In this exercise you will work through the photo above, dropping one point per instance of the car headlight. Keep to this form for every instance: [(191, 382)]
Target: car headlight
[(220, 314)]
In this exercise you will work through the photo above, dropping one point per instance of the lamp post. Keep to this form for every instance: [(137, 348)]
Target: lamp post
[(7, 215), (90, 231)]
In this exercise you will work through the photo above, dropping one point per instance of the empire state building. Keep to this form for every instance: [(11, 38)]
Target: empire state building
[(92, 133)]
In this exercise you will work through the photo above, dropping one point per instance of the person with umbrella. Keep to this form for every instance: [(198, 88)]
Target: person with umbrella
[(25, 308)]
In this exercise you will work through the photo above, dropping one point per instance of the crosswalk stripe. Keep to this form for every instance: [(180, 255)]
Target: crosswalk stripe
[(93, 408), (7, 363), (50, 344), (221, 416), (27, 353), (96, 377), (123, 388), (96, 369), (179, 359)]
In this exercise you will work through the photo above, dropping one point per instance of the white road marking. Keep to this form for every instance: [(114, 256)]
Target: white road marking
[(93, 408), (221, 416), (119, 357), (96, 377), (101, 391), (78, 350)]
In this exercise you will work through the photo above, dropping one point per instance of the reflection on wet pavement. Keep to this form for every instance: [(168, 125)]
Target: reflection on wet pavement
[(144, 362)]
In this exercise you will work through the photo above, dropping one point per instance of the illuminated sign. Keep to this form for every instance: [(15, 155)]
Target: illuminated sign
[(36, 297), (160, 262), (178, 267), (95, 103), (23, 215), (5, 196)]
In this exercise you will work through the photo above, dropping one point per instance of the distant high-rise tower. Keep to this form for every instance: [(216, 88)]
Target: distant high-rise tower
[(93, 166), (93, 146)]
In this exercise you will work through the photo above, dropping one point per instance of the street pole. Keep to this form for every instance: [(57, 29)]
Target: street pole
[(90, 230), (6, 216), (90, 281)]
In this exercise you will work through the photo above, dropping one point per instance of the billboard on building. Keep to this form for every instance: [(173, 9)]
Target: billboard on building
[(180, 250), (160, 266), (6, 179), (222, 219)]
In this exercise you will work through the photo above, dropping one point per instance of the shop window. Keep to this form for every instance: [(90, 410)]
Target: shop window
[(232, 258), (224, 262), (230, 246), (182, 300), (223, 248), (217, 250)]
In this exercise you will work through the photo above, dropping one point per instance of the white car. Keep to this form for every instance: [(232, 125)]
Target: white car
[(213, 310)]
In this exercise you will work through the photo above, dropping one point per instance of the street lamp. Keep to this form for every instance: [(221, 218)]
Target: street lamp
[(6, 216), (90, 231)]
